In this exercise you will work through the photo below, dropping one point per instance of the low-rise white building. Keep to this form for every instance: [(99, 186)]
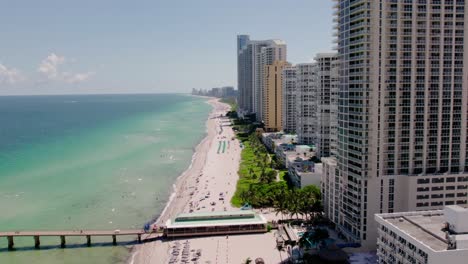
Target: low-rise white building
[(269, 140), (304, 172), (431, 237)]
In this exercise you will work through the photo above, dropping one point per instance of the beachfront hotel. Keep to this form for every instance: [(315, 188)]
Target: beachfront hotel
[(429, 237), (252, 58), (402, 111)]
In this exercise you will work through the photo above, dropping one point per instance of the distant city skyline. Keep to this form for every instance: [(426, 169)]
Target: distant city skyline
[(88, 47)]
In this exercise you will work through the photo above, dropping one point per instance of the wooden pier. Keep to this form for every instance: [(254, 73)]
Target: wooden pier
[(88, 234)]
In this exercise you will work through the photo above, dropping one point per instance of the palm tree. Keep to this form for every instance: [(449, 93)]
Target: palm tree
[(280, 204), (273, 164), (244, 197), (251, 173), (294, 203)]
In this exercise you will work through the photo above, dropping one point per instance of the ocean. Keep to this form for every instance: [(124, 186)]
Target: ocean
[(90, 162)]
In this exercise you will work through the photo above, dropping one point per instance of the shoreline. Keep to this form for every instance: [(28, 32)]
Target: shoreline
[(175, 199), (180, 197)]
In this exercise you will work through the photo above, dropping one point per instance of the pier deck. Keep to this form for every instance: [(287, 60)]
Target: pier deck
[(71, 233), (123, 232)]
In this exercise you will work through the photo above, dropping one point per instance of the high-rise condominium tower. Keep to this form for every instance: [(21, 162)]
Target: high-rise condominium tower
[(289, 99), (244, 74), (273, 96), (306, 126), (323, 87), (253, 57), (402, 117), (316, 92)]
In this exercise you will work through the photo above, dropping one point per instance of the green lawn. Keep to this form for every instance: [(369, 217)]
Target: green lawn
[(249, 170)]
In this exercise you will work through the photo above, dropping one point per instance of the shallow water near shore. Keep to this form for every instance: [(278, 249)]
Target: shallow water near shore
[(90, 162)]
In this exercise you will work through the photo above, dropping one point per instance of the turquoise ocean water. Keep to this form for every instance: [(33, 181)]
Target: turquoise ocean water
[(90, 162)]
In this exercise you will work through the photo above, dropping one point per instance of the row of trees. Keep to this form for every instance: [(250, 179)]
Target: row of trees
[(255, 168), (305, 202), (258, 187), (264, 162)]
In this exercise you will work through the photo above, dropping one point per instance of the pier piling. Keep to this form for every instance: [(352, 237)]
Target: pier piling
[(88, 240), (62, 241), (139, 238), (11, 243), (114, 240), (37, 242)]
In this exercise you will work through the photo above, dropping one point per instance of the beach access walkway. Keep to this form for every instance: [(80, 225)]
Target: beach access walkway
[(75, 233)]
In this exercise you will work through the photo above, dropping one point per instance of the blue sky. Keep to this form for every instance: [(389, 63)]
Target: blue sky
[(112, 46)]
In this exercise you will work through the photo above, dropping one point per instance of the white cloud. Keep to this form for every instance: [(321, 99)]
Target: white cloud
[(9, 75), (77, 77), (50, 68)]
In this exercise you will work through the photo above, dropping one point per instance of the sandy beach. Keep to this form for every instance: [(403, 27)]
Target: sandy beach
[(208, 185)]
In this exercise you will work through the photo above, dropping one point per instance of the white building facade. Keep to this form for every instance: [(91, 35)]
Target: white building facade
[(323, 87), (331, 189), (402, 110), (289, 99), (306, 126)]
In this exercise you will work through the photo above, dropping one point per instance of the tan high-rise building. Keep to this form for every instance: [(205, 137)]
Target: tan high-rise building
[(273, 96)]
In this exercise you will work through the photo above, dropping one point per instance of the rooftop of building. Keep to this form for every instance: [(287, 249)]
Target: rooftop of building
[(325, 55), (316, 169), (280, 138), (329, 160), (300, 153), (223, 218), (428, 227)]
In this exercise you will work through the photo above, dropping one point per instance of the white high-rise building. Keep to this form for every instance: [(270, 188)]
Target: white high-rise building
[(316, 93), (402, 111), (289, 99), (306, 126), (334, 89), (323, 86), (253, 57)]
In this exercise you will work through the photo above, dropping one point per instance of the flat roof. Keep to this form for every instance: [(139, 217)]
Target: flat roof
[(223, 218), (329, 160), (238, 213), (426, 228)]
